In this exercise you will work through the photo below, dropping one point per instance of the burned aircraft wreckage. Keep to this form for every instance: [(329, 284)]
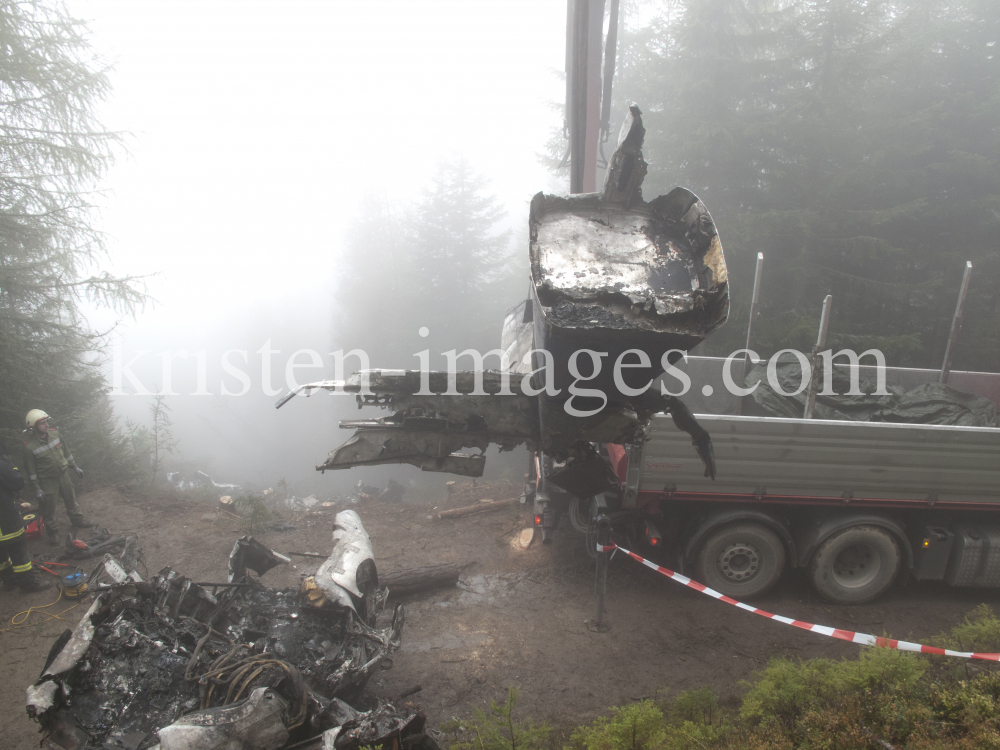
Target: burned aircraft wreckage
[(614, 280), (172, 664)]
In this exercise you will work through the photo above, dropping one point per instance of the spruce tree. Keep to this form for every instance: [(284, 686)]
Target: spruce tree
[(53, 153), (444, 264), (854, 144), (462, 258)]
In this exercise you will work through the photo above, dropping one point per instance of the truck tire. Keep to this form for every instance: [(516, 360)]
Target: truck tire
[(741, 560), (855, 565)]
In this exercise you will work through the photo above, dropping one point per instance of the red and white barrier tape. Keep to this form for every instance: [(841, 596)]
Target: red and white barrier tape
[(844, 635)]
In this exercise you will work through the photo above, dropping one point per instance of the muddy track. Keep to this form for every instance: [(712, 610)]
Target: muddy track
[(518, 617)]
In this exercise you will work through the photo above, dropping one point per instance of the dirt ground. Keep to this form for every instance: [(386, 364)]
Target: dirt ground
[(518, 617)]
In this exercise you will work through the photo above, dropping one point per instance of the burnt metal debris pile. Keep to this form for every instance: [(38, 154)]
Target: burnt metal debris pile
[(172, 664)]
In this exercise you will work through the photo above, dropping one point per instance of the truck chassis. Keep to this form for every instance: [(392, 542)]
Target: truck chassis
[(858, 505)]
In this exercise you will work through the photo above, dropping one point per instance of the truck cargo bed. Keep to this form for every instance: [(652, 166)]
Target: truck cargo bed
[(828, 462)]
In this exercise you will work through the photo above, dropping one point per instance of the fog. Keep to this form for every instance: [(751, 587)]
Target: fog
[(252, 132)]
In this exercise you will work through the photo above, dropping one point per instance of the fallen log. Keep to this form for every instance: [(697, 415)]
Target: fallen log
[(409, 581), (411, 691), (478, 508)]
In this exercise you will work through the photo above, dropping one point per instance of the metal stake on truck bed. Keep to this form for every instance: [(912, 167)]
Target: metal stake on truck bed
[(824, 326), (754, 312), (956, 322)]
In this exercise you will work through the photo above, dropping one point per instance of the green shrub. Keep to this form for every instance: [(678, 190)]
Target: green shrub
[(498, 730), (637, 726), (254, 514), (967, 703), (784, 690), (699, 706), (642, 726), (695, 721), (979, 632)]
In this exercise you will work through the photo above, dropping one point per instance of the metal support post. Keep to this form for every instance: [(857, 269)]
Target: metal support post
[(603, 539), (585, 23), (956, 323), (824, 325), (753, 316)]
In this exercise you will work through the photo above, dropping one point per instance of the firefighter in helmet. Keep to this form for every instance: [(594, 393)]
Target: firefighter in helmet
[(15, 563), (47, 462)]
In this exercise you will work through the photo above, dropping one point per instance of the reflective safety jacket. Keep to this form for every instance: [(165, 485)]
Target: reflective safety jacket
[(11, 483), (46, 456)]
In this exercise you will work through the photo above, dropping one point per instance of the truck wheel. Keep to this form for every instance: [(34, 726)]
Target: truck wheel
[(855, 565), (741, 560)]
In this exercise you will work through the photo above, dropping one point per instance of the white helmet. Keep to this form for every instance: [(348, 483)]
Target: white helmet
[(33, 416)]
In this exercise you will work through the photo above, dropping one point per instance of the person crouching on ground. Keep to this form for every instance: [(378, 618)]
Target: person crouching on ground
[(15, 563), (47, 462)]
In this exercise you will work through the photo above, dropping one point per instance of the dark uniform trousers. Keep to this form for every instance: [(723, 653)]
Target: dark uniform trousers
[(15, 562)]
